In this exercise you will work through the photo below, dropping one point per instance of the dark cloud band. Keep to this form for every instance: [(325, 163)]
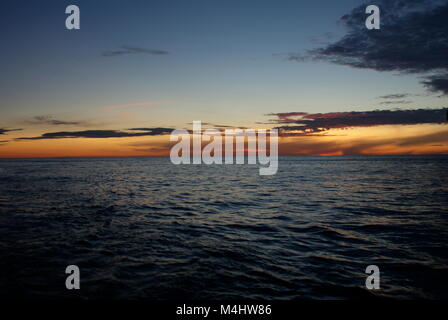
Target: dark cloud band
[(3, 131), (308, 124), (102, 134)]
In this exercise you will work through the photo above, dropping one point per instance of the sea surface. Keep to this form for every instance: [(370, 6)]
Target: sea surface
[(143, 228)]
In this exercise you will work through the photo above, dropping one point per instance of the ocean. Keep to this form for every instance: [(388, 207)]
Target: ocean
[(143, 228)]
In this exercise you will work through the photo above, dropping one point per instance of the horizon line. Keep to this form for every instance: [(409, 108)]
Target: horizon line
[(289, 155)]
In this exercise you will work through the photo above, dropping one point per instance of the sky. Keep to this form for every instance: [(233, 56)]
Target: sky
[(136, 70)]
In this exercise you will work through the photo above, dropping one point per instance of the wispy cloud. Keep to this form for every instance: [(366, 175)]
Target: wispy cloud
[(126, 50), (218, 126), (396, 102), (413, 39), (51, 121), (395, 96)]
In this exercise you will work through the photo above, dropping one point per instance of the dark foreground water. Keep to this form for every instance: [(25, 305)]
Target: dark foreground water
[(144, 228)]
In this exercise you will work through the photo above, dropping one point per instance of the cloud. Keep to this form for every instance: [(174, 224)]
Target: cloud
[(49, 120), (437, 84), (3, 131), (413, 39), (310, 124), (395, 96), (101, 134), (124, 50), (287, 117), (218, 126), (396, 102), (155, 131)]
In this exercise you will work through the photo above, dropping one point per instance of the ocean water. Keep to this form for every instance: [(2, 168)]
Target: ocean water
[(142, 228)]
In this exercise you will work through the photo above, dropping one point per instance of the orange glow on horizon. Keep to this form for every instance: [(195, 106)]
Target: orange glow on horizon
[(379, 140)]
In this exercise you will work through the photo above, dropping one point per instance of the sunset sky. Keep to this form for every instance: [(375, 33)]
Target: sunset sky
[(136, 70)]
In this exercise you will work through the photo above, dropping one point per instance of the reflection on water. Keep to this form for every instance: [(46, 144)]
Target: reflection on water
[(144, 228)]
